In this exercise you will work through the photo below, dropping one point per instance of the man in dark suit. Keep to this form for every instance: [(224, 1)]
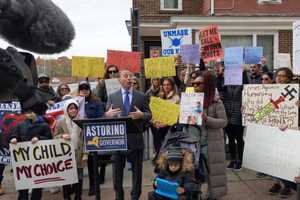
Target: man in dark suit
[(132, 103)]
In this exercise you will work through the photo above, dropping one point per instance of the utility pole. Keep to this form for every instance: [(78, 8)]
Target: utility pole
[(136, 40)]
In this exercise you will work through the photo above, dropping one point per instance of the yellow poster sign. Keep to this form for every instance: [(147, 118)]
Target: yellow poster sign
[(159, 67), (189, 90), (164, 111), (88, 66)]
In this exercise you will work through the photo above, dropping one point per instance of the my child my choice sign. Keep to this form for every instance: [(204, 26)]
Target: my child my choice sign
[(47, 163)]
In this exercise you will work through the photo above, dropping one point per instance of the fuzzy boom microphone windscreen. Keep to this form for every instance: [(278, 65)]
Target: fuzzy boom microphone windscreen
[(35, 25)]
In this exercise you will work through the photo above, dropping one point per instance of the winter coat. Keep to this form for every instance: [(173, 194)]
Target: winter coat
[(256, 79), (29, 129), (62, 128), (216, 121), (48, 94), (152, 92), (232, 99), (211, 140), (172, 97), (94, 109), (185, 177)]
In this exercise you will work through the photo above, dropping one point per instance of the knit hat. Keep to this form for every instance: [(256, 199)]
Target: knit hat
[(84, 85), (174, 154)]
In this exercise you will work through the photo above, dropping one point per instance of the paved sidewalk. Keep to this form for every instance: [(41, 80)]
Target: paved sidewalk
[(242, 185)]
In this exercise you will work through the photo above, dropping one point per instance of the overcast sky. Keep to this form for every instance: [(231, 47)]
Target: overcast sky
[(99, 25)]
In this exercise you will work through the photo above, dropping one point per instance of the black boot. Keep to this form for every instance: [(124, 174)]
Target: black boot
[(78, 190)]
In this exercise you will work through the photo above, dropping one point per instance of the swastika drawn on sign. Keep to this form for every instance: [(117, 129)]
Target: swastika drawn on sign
[(289, 92)]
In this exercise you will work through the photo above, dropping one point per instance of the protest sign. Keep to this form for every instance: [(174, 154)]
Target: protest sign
[(47, 163), (105, 136), (283, 60), (210, 40), (233, 60), (253, 55), (189, 90), (164, 111), (159, 67), (124, 60), (171, 39), (57, 110), (233, 77), (191, 108), (190, 54), (296, 47), (112, 85), (87, 66), (9, 118), (272, 151), (272, 104), (4, 156), (233, 56)]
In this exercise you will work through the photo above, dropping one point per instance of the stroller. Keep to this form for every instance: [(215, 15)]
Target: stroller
[(181, 139)]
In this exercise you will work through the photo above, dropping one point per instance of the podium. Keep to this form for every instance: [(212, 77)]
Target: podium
[(108, 135)]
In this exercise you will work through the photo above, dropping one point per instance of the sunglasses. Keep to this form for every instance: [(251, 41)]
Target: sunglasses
[(44, 81), (197, 83), (112, 71)]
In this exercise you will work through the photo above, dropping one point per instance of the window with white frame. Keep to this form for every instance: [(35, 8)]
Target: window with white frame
[(265, 41), (171, 5)]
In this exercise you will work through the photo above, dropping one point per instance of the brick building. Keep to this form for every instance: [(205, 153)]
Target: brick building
[(266, 23)]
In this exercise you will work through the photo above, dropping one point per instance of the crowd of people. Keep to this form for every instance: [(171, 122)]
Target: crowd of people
[(222, 119)]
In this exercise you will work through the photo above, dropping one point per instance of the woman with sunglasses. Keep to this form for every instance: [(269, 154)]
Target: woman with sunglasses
[(111, 71), (62, 90), (210, 135), (267, 78)]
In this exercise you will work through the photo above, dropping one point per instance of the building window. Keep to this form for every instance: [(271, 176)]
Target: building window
[(236, 41), (267, 42), (171, 5)]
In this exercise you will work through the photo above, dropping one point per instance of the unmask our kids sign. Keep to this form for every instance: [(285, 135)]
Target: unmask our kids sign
[(47, 163), (171, 39)]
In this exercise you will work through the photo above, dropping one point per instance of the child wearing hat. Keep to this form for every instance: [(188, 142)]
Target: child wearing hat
[(175, 166)]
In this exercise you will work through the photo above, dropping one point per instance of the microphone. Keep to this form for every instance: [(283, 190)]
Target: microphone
[(35, 25)]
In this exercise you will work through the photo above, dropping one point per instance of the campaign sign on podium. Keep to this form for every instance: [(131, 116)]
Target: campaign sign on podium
[(105, 136), (109, 134)]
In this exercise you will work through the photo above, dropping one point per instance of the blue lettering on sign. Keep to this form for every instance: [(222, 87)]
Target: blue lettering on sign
[(105, 136), (176, 33), (168, 51)]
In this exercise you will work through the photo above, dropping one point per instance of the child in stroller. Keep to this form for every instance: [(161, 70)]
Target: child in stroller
[(175, 169)]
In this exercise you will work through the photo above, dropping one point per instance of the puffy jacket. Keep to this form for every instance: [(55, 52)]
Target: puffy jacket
[(29, 129)]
